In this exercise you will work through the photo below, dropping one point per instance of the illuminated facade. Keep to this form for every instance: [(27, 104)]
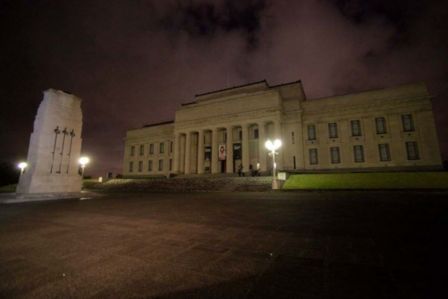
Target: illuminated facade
[(222, 131)]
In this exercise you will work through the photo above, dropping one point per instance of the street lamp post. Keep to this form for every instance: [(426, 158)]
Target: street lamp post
[(272, 146), (83, 161), (22, 166)]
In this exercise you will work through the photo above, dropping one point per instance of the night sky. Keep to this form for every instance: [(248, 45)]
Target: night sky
[(135, 62)]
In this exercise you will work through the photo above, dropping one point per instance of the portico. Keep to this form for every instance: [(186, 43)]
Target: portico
[(223, 149)]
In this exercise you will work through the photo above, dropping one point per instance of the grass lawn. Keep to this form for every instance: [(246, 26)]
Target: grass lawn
[(8, 188), (387, 180)]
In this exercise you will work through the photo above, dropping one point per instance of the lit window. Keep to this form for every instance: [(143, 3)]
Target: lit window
[(408, 123), (311, 132), (335, 156), (358, 152), (333, 130), (313, 156), (356, 127), (384, 152), (412, 150), (380, 123), (149, 165)]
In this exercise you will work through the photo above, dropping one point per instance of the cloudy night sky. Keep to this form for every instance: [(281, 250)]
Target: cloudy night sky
[(135, 62)]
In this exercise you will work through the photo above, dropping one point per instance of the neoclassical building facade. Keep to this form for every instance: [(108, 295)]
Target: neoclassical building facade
[(224, 131)]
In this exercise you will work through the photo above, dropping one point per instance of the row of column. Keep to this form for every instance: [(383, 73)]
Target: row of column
[(183, 148)]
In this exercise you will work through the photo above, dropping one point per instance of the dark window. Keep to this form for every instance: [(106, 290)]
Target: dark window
[(384, 152), (412, 150), (358, 152), (161, 148), (408, 123), (313, 156), (171, 147), (292, 139), (142, 150), (335, 156), (380, 123), (333, 130), (240, 134), (171, 164), (311, 132), (131, 166), (140, 166), (132, 150), (356, 127), (255, 133), (294, 161), (150, 165), (151, 149), (160, 165)]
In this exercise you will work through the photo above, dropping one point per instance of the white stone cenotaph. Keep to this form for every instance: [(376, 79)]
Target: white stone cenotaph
[(55, 147)]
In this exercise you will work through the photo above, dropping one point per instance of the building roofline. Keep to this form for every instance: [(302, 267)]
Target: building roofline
[(233, 87), (158, 124)]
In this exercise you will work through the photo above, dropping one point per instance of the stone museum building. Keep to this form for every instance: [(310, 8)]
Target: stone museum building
[(225, 130)]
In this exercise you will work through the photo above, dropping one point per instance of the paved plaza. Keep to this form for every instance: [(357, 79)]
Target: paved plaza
[(226, 245)]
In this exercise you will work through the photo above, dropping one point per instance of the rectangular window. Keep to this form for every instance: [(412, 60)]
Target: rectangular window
[(313, 156), (255, 133), (171, 164), (149, 165), (142, 150), (140, 166), (380, 123), (356, 127), (171, 147), (333, 130), (358, 152), (131, 166), (384, 152), (294, 161), (132, 151), (408, 123), (240, 134), (151, 149), (161, 148), (412, 150), (311, 132), (293, 140), (335, 156), (160, 165)]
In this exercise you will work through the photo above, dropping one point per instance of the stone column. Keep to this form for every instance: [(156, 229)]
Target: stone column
[(200, 152), (229, 145), (245, 144), (214, 157), (176, 159), (261, 148), (187, 152), (278, 134)]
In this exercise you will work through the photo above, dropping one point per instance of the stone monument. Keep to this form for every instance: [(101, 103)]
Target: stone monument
[(55, 147)]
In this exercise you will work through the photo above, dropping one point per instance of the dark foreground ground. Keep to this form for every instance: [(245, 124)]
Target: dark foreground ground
[(227, 245)]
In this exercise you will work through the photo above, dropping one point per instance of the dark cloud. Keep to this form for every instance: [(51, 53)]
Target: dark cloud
[(209, 19)]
